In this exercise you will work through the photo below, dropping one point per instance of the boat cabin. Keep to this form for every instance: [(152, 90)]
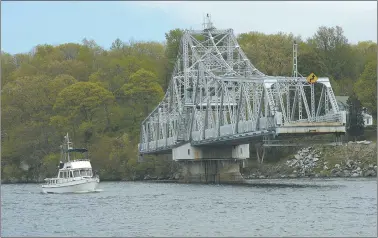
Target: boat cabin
[(75, 173), (76, 168)]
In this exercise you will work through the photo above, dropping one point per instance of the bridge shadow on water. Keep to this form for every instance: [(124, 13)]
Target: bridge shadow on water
[(262, 184)]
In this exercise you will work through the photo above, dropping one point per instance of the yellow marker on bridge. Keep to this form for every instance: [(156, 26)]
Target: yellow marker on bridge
[(312, 78)]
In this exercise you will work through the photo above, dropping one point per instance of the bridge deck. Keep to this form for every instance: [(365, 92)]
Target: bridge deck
[(248, 137)]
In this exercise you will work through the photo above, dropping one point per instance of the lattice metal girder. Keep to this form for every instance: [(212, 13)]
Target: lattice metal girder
[(214, 84)]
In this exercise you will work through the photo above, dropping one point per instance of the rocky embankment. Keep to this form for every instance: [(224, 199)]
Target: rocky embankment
[(173, 176), (349, 160)]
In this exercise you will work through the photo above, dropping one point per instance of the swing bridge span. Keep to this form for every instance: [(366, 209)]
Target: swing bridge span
[(217, 99)]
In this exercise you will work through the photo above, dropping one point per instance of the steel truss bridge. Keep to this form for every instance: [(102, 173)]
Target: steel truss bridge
[(217, 96)]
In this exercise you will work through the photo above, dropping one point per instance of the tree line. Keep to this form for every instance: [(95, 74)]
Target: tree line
[(101, 96)]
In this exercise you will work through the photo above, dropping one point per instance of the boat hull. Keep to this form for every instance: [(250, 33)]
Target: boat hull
[(76, 186)]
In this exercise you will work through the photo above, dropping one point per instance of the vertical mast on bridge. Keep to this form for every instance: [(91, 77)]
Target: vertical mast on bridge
[(207, 23)]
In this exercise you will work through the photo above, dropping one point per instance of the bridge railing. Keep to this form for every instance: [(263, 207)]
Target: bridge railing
[(339, 117), (334, 117), (161, 144)]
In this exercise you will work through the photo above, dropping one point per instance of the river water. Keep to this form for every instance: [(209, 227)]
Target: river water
[(303, 207)]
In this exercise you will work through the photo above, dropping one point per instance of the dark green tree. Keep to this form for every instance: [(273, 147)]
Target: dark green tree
[(355, 125)]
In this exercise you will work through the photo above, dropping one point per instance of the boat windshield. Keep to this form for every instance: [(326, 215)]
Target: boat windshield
[(80, 150), (75, 173)]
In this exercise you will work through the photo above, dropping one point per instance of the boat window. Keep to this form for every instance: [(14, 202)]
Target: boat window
[(76, 173), (83, 172), (71, 174), (63, 174)]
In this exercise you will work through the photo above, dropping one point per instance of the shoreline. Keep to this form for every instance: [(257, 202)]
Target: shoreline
[(348, 161), (246, 179)]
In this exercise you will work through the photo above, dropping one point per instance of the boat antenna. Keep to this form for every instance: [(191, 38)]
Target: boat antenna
[(68, 147)]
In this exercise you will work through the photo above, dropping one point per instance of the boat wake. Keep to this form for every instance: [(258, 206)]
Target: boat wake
[(78, 192), (93, 191)]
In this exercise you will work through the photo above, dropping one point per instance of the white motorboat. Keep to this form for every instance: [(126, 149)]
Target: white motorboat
[(75, 175)]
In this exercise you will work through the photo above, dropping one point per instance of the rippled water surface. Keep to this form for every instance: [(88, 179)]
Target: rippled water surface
[(342, 207)]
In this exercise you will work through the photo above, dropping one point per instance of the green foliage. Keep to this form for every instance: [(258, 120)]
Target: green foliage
[(142, 93), (101, 96), (366, 87), (173, 40), (271, 54), (50, 164)]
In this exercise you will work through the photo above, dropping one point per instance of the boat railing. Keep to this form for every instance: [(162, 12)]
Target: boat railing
[(58, 180), (63, 180)]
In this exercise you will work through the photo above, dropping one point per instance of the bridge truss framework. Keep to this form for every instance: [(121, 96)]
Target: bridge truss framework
[(216, 94)]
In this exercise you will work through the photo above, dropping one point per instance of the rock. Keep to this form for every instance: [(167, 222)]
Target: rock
[(292, 176), (371, 166), (297, 157), (293, 162), (355, 175), (316, 159), (334, 171), (261, 177), (147, 177), (24, 166), (176, 176), (339, 174), (325, 167), (358, 169), (337, 166), (346, 173), (294, 171), (349, 163), (370, 173)]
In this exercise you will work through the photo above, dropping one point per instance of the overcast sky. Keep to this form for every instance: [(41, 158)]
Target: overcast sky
[(27, 24)]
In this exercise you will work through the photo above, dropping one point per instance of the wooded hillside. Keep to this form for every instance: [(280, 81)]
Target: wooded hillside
[(101, 96)]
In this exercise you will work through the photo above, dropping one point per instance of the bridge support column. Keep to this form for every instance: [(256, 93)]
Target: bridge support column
[(216, 164), (260, 152)]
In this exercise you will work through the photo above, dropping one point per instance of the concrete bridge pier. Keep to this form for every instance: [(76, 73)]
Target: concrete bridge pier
[(216, 164)]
